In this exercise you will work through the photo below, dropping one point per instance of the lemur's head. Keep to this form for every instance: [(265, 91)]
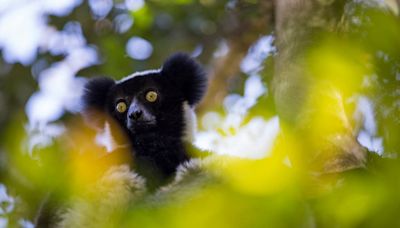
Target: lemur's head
[(154, 101)]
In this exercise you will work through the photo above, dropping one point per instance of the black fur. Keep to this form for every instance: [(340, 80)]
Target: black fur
[(156, 137), (96, 92), (94, 100), (186, 75)]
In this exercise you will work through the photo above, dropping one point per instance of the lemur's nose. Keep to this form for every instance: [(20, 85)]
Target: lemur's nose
[(135, 115)]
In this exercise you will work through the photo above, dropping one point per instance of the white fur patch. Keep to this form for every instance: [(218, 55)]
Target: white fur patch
[(187, 168), (190, 176), (107, 198), (140, 73), (190, 122)]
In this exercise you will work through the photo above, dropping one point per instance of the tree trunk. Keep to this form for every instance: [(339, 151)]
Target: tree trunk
[(299, 25)]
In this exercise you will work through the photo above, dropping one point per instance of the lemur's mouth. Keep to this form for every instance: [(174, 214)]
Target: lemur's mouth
[(141, 125), (144, 122)]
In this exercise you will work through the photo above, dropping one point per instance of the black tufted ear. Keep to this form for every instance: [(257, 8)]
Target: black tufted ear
[(95, 93), (94, 100), (187, 75)]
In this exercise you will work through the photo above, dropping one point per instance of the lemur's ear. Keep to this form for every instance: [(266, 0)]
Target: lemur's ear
[(187, 75), (94, 100), (95, 93)]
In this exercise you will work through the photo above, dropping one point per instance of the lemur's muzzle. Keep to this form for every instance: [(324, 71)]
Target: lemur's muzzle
[(138, 115)]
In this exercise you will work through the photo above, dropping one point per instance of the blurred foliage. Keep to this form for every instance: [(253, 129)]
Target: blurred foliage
[(362, 60), (382, 43)]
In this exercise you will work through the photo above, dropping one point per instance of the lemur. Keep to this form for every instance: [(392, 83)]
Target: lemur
[(155, 110)]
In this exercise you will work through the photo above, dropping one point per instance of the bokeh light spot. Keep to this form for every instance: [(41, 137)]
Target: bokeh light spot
[(139, 48)]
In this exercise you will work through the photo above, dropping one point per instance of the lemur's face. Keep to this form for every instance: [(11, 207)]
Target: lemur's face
[(149, 102), (146, 102)]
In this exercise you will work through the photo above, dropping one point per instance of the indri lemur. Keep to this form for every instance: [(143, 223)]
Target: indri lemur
[(155, 109)]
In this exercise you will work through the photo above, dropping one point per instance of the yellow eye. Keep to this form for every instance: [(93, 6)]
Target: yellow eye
[(121, 107), (151, 96)]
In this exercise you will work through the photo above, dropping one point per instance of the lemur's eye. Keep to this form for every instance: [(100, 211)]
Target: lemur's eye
[(151, 96), (121, 107)]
